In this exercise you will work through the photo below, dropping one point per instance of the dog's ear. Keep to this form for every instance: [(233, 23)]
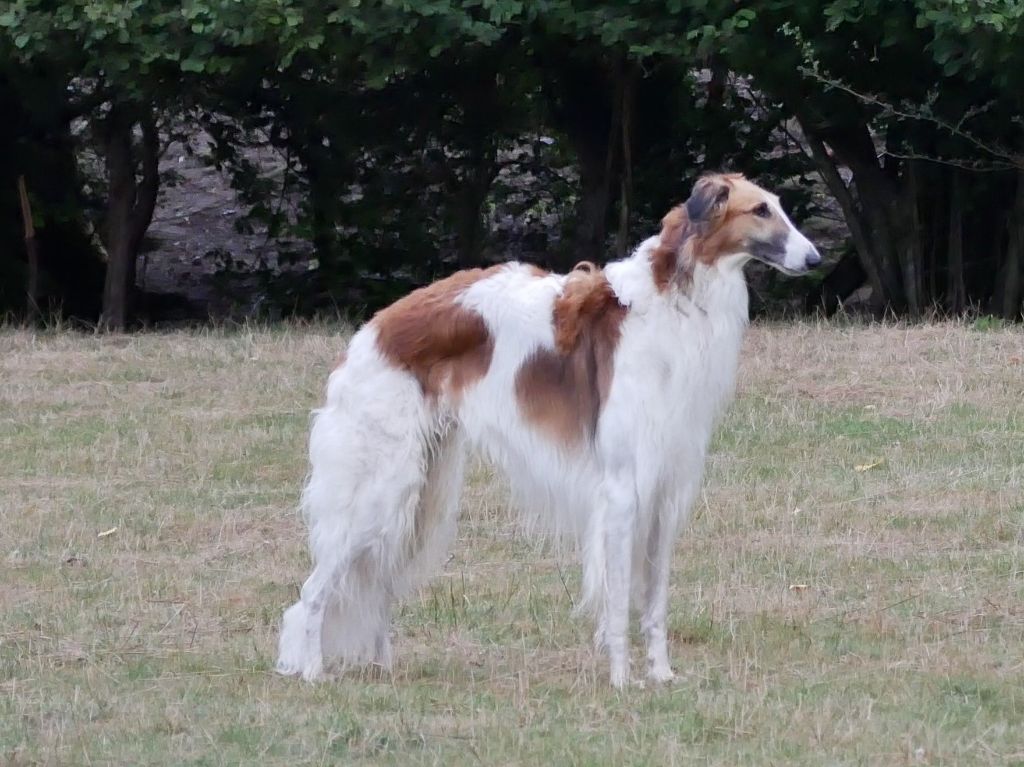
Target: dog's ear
[(673, 227), (707, 201), (672, 259)]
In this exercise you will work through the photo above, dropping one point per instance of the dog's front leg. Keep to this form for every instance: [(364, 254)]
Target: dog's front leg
[(620, 499), (660, 543)]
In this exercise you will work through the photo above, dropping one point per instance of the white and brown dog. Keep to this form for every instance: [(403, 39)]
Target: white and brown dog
[(596, 392)]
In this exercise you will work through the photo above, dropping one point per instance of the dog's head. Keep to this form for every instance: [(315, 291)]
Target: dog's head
[(726, 221)]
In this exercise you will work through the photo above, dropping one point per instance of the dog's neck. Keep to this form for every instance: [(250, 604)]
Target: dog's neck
[(719, 289)]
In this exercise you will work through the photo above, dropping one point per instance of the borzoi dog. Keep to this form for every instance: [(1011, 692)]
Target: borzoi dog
[(596, 392)]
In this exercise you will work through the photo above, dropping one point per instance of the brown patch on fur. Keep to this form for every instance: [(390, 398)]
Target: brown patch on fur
[(536, 271), (725, 228), (666, 264), (586, 297), (562, 390), (446, 346)]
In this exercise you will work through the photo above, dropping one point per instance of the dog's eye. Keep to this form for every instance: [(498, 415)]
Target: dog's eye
[(762, 211)]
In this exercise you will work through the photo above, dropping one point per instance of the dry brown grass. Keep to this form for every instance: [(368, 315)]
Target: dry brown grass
[(821, 614)]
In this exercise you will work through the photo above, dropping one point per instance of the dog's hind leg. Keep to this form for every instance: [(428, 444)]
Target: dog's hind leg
[(368, 458), (376, 551), (300, 650), (412, 533)]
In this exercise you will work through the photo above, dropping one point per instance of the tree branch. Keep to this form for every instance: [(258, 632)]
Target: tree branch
[(1011, 159)]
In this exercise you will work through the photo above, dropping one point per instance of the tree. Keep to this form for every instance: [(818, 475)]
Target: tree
[(123, 68), (897, 94), (395, 120)]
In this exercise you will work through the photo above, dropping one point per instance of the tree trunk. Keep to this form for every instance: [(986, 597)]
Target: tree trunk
[(322, 198), (149, 184), (878, 210), (471, 194), (861, 242), (937, 206), (584, 104), (715, 151), (38, 144), (956, 290), (121, 194), (626, 177), (909, 250), (592, 208), (716, 86), (325, 234), (31, 253), (879, 203), (845, 277), (130, 205), (1010, 294)]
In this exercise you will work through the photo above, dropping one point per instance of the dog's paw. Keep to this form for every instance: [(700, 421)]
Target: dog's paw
[(660, 674), (619, 677), (286, 668), (314, 671)]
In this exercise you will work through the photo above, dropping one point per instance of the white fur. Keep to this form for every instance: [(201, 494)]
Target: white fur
[(382, 496)]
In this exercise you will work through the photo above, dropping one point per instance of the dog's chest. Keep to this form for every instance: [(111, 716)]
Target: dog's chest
[(681, 370)]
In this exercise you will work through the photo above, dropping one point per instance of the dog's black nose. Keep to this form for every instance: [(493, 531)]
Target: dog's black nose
[(813, 259)]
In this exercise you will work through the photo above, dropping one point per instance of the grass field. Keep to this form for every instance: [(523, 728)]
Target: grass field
[(851, 590)]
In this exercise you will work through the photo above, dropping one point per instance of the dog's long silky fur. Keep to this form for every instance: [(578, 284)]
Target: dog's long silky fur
[(596, 392)]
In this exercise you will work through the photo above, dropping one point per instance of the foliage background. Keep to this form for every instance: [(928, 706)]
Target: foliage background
[(376, 144)]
